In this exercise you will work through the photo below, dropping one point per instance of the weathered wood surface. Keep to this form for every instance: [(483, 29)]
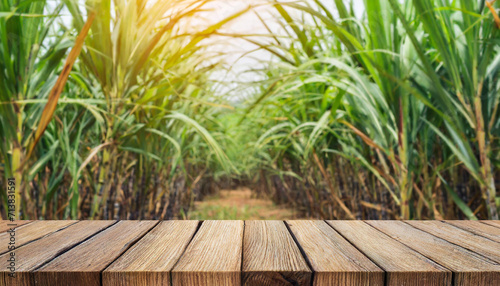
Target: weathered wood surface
[(83, 264), (253, 253), (30, 232), (271, 257), (213, 257), (403, 265), (469, 267), (35, 254), (482, 229), (150, 261), (491, 222), (465, 239), (6, 224), (334, 260)]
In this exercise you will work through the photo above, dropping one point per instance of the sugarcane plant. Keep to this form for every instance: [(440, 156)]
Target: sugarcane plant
[(145, 63), (389, 91), (112, 132), (30, 59)]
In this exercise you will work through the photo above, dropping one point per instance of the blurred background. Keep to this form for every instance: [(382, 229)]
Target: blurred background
[(213, 109)]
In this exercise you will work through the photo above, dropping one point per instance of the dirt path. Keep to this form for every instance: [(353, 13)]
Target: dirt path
[(239, 204)]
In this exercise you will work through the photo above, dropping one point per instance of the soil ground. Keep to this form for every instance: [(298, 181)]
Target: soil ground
[(239, 204)]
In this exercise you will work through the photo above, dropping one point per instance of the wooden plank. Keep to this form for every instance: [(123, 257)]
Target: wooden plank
[(477, 228), (468, 267), (30, 232), (465, 239), (334, 260), (7, 224), (494, 223), (271, 256), (150, 260), (213, 257), (403, 265), (35, 254), (82, 265)]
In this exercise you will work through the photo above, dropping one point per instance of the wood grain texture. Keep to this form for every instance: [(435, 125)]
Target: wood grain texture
[(213, 257), (33, 231), (494, 223), (150, 260), (468, 267), (403, 265), (82, 265), (334, 260), (35, 254), (271, 256), (477, 228), (260, 253), (463, 238), (7, 224)]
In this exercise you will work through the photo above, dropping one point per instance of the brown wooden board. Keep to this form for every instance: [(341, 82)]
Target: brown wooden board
[(271, 256), (258, 253), (213, 257), (463, 238), (82, 265), (468, 267), (477, 228), (30, 232), (35, 254), (7, 224), (150, 260), (403, 265), (334, 260), (494, 223)]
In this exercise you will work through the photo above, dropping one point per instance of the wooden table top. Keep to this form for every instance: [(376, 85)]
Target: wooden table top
[(306, 252)]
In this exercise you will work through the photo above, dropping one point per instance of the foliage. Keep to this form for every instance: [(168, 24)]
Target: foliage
[(388, 114), (406, 97), (130, 134)]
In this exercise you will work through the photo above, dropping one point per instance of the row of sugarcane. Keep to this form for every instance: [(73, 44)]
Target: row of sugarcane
[(391, 112), (105, 108)]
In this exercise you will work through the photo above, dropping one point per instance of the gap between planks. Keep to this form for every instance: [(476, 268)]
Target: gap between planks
[(42, 251), (82, 265), (467, 267), (335, 235)]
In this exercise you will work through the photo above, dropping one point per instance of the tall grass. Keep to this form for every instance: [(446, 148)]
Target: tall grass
[(391, 114), (400, 102), (129, 136), (28, 68)]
